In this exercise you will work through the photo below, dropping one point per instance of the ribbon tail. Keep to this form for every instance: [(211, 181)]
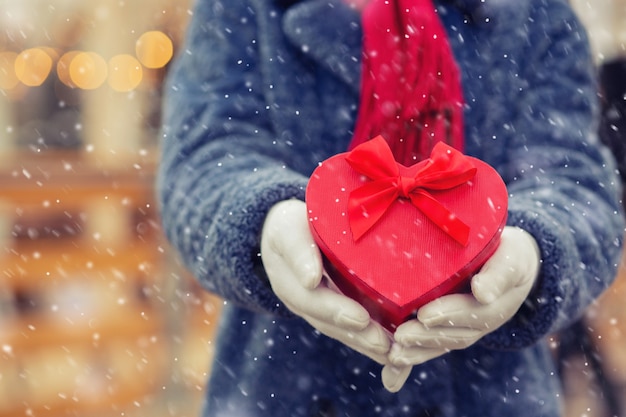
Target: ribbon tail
[(367, 204), (441, 216)]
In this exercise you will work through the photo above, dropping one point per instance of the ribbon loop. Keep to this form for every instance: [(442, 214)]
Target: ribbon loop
[(445, 169)]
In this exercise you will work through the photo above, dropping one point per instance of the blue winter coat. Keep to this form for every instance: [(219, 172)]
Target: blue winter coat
[(263, 90)]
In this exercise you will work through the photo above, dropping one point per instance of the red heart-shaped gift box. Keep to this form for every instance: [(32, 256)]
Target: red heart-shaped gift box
[(396, 237)]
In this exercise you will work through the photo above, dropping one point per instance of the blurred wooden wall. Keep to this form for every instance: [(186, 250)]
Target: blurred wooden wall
[(96, 315)]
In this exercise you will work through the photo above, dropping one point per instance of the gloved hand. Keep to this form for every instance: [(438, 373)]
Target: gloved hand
[(457, 321), (294, 267)]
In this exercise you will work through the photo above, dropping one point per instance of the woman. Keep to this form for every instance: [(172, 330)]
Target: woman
[(263, 90)]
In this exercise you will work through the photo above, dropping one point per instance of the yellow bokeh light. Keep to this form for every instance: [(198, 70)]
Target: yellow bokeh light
[(125, 73), (63, 68), (32, 66), (88, 70), (52, 52), (154, 49), (8, 77)]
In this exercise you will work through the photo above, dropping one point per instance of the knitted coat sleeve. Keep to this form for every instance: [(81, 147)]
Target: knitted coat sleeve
[(562, 183), (222, 166)]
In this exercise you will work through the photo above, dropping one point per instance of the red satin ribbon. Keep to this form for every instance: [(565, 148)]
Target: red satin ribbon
[(446, 168)]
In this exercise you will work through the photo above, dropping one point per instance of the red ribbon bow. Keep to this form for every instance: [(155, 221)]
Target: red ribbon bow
[(446, 168)]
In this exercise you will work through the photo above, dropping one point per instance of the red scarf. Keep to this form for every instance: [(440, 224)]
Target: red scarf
[(410, 89)]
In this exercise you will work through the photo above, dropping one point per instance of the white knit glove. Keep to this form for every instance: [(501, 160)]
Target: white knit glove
[(457, 321), (294, 267)]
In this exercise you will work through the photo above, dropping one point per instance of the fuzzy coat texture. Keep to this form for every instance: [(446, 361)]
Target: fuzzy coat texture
[(263, 90)]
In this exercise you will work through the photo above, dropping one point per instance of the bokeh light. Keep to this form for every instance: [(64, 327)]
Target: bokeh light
[(63, 68), (88, 70), (125, 73), (154, 49), (52, 52), (8, 77), (32, 66)]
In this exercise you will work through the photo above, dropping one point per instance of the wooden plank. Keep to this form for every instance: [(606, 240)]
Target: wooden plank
[(55, 177), (37, 263), (25, 333), (77, 380)]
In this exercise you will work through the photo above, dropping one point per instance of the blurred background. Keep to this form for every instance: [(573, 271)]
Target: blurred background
[(97, 316)]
